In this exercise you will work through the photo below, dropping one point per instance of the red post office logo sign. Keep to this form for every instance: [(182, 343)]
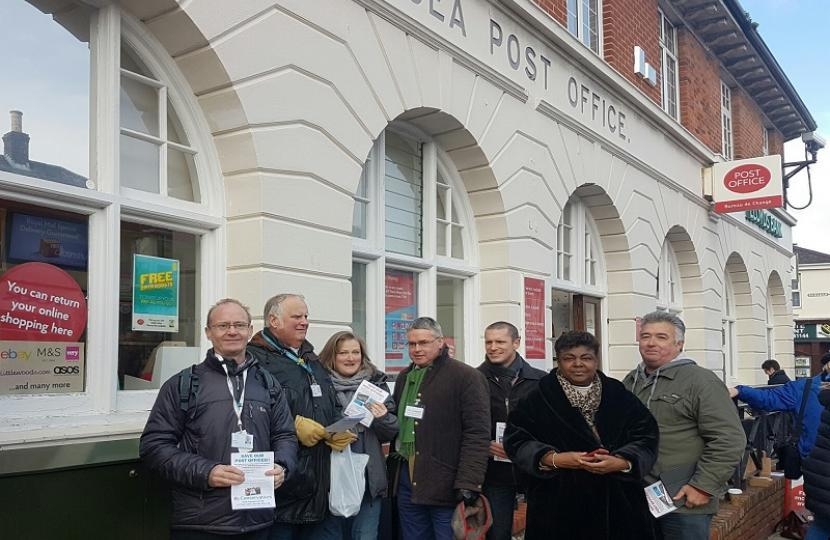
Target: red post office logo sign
[(747, 178), (746, 184)]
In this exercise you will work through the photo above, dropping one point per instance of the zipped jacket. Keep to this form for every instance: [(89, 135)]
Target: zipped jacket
[(304, 498), (183, 446), (505, 394), (701, 436)]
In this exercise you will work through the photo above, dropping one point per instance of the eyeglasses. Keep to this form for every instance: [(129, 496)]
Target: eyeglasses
[(225, 326), (420, 344)]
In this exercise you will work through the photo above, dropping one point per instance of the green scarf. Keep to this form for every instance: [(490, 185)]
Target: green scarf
[(407, 424)]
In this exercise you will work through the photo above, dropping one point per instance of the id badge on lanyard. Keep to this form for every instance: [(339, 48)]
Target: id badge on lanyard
[(240, 439)]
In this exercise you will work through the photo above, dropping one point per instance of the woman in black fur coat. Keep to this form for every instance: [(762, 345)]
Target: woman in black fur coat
[(586, 444)]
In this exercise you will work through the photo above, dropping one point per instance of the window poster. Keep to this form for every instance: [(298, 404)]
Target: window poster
[(534, 319), (43, 316), (155, 294), (401, 310)]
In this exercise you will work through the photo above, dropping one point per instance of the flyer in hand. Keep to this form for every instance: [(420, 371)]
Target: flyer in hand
[(257, 491), (366, 393)]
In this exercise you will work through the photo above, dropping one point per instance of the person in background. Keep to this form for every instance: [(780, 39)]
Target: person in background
[(190, 445), (344, 356), (816, 470), (586, 443), (510, 378), (787, 398), (773, 370), (701, 437), (443, 437), (282, 349)]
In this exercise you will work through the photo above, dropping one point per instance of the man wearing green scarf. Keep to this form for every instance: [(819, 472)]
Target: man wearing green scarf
[(444, 438)]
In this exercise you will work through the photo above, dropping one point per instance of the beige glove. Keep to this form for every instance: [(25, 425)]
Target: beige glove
[(339, 441), (308, 431)]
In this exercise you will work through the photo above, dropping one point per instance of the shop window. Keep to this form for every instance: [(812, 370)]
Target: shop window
[(668, 65), (411, 241), (43, 311), (584, 22), (155, 205), (158, 324), (46, 66), (669, 292)]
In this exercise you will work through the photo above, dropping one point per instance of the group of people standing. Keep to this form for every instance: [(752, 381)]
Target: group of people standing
[(579, 444)]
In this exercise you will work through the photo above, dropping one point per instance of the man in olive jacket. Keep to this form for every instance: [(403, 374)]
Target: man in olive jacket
[(444, 437), (701, 438)]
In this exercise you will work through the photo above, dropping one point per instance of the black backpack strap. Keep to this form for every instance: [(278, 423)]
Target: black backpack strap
[(270, 383), (188, 386)]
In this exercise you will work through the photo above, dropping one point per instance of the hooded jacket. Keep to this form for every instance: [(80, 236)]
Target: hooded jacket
[(701, 437), (304, 498), (506, 390), (779, 377), (183, 446), (816, 467)]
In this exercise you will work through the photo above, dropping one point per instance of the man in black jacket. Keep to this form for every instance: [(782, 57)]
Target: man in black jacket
[(188, 439), (773, 370), (510, 378), (282, 349)]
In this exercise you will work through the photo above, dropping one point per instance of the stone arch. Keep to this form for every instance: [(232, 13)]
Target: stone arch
[(749, 342), (782, 319)]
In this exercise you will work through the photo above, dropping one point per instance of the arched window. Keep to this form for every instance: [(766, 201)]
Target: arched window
[(412, 240), (669, 291), (578, 288), (728, 329), (122, 180)]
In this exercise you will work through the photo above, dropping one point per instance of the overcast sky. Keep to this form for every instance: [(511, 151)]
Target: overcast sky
[(795, 31)]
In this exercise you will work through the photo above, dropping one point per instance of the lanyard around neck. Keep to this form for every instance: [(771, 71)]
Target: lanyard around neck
[(288, 354), (237, 404)]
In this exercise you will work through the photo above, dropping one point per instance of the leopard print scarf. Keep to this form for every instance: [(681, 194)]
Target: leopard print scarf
[(586, 402)]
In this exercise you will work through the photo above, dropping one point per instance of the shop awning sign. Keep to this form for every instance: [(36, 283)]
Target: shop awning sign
[(747, 184)]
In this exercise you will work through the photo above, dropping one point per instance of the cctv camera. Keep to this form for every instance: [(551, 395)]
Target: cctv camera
[(813, 141)]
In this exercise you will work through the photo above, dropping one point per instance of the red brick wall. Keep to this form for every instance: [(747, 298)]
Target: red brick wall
[(699, 90), (747, 126), (776, 143), (558, 9), (626, 23)]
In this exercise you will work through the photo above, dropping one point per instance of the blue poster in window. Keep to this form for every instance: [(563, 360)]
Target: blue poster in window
[(155, 294), (46, 239)]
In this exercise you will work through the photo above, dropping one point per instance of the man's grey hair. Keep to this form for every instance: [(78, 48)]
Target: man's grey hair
[(274, 305), (427, 323), (665, 316)]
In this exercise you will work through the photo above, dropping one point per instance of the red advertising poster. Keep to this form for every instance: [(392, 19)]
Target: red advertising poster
[(534, 319), (401, 310), (41, 302)]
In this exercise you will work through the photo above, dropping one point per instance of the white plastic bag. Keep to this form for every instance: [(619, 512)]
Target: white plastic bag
[(348, 482)]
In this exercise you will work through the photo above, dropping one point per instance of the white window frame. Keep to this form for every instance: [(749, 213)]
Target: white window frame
[(371, 251), (101, 409), (668, 54), (729, 329), (727, 147), (796, 291), (583, 233), (669, 286), (575, 9)]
